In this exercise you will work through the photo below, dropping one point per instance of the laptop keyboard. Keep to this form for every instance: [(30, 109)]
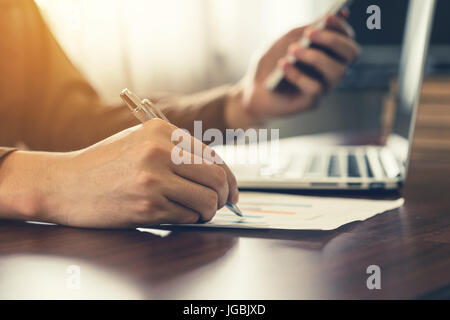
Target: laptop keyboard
[(342, 163)]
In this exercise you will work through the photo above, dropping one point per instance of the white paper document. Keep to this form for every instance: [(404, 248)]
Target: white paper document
[(289, 212)]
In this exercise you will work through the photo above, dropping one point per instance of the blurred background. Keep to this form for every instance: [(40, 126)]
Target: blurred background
[(185, 46)]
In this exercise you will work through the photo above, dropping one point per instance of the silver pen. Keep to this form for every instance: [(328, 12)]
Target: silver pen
[(144, 110)]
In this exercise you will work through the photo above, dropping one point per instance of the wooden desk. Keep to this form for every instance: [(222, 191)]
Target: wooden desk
[(411, 245)]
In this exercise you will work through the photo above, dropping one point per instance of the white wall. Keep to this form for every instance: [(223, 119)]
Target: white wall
[(170, 45)]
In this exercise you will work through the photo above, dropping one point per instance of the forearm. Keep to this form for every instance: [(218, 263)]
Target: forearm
[(25, 185), (86, 125), (220, 108), (235, 114), (207, 106)]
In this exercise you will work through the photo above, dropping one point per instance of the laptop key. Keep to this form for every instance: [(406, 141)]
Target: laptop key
[(369, 169), (389, 164), (333, 167), (314, 168), (353, 169)]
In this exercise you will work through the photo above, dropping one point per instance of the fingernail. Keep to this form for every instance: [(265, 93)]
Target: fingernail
[(352, 32)]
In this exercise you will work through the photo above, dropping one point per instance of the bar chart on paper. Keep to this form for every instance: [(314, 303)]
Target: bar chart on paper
[(289, 212)]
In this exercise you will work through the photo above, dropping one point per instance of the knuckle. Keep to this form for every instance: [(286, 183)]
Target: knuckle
[(156, 151), (159, 125), (145, 207), (148, 179)]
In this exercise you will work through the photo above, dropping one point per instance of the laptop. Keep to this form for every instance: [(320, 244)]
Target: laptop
[(300, 166)]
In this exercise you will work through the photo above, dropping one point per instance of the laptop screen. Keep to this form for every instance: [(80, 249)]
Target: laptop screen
[(414, 53)]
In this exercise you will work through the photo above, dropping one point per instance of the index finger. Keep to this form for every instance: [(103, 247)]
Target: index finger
[(339, 24), (345, 47)]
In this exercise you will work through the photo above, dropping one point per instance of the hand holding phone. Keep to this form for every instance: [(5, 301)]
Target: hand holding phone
[(278, 83)]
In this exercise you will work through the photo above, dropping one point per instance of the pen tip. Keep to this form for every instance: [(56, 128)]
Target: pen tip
[(235, 209)]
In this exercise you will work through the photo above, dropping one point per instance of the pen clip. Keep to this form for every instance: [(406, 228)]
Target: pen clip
[(134, 103)]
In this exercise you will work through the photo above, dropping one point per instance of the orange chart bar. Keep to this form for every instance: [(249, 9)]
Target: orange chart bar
[(268, 211)]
